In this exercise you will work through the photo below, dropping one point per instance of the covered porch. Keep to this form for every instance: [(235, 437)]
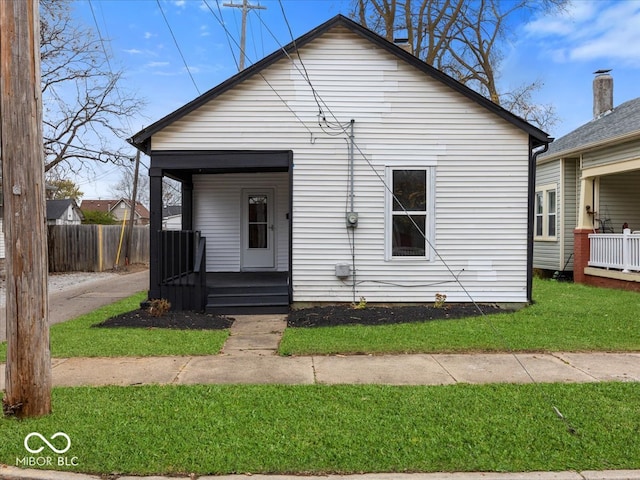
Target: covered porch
[(607, 239), (232, 254)]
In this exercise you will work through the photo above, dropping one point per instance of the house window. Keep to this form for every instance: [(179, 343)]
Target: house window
[(546, 207), (408, 212)]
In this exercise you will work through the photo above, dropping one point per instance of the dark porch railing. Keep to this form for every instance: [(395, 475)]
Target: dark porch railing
[(182, 269)]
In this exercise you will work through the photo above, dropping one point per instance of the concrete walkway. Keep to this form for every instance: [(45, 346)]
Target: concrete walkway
[(13, 473), (441, 369)]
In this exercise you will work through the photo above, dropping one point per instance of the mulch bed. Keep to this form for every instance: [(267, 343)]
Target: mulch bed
[(307, 317), (177, 320), (347, 315)]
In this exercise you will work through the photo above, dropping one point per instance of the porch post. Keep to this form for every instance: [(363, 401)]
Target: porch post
[(187, 204), (155, 225), (581, 253), (587, 209)]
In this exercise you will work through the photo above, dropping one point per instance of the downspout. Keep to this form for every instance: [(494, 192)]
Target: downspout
[(533, 157)]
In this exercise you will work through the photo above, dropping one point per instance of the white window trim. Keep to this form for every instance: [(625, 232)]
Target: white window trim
[(430, 223), (544, 190)]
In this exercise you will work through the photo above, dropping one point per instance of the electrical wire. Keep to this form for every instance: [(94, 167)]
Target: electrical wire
[(505, 343), (175, 41), (285, 103)]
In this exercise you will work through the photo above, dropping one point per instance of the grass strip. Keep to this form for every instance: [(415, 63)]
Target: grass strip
[(344, 429), (564, 317), (77, 338)]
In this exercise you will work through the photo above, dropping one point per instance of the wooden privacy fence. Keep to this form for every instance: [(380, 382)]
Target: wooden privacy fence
[(94, 248)]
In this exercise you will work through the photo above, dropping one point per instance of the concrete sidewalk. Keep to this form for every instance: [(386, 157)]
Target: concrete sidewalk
[(13, 473), (440, 369)]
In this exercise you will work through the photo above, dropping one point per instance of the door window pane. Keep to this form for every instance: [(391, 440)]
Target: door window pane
[(258, 221), (258, 235), (257, 208)]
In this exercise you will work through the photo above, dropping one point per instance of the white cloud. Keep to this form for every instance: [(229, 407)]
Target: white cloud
[(157, 64), (148, 35), (591, 31), (133, 51)]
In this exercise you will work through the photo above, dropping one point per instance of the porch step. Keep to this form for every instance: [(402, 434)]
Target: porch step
[(248, 300)]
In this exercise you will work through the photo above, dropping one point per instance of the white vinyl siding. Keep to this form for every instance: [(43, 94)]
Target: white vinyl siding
[(402, 117), (217, 214)]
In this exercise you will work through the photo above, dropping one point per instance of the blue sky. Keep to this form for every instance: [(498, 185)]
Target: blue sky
[(561, 51)]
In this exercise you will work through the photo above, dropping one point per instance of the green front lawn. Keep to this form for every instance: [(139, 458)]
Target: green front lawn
[(564, 317), (316, 429), (77, 338)]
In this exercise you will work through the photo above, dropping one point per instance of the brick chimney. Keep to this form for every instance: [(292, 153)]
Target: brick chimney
[(602, 93)]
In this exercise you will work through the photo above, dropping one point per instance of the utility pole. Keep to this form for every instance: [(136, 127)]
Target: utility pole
[(245, 6), (134, 204), (28, 368)]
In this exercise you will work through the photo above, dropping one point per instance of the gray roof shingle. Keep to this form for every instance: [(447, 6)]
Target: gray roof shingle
[(622, 120)]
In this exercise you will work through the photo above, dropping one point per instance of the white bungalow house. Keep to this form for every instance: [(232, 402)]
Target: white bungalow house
[(587, 195), (336, 168)]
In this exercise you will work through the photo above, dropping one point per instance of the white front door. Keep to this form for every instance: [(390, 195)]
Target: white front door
[(258, 233)]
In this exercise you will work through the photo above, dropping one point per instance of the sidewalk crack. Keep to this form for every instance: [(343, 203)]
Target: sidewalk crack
[(182, 368), (435, 359)]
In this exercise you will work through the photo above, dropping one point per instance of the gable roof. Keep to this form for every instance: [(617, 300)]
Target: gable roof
[(622, 123), (141, 140), (109, 204), (57, 208)]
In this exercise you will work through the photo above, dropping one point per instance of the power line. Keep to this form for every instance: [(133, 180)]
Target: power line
[(175, 41), (456, 278), (286, 104), (246, 7)]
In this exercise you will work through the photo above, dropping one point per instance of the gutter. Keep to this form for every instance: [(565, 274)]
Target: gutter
[(533, 157)]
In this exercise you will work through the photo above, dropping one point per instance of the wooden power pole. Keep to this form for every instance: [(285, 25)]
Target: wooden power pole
[(132, 207), (245, 6), (28, 368)]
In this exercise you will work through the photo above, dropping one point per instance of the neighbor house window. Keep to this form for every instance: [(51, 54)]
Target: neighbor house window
[(546, 207), (408, 212)]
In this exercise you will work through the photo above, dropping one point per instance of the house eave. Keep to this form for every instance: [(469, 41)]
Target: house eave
[(589, 147), (142, 139)]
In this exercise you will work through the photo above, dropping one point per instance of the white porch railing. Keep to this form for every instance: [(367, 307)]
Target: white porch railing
[(620, 251)]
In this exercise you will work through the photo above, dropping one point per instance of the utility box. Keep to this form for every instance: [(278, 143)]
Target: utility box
[(343, 270)]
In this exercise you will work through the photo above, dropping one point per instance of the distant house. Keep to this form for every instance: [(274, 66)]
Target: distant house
[(118, 208), (63, 212), (172, 217), (587, 191), (340, 167)]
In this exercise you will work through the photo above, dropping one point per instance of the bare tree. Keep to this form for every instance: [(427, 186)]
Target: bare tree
[(171, 193), (462, 38), (84, 101), (124, 187)]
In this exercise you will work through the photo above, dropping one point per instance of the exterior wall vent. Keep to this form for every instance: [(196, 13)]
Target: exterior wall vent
[(343, 270)]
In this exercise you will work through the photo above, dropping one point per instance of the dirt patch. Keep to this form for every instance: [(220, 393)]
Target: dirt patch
[(347, 315), (176, 320)]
